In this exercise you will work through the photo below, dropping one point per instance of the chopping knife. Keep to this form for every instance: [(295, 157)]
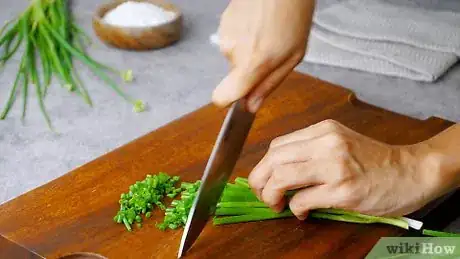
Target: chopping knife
[(224, 156)]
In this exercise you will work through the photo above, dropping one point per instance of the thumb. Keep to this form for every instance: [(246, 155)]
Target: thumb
[(238, 83)]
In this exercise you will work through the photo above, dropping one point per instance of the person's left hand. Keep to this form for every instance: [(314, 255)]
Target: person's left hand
[(339, 168)]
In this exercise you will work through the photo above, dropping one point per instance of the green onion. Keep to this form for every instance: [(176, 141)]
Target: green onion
[(242, 182), (143, 196), (244, 204), (47, 31), (12, 95), (176, 215), (435, 233), (242, 211), (251, 217), (234, 207)]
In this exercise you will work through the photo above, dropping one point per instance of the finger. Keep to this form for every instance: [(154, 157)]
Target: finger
[(269, 84), (295, 176), (316, 197), (289, 153), (240, 81), (226, 45), (259, 176), (227, 53), (284, 178), (311, 132), (329, 145), (262, 172)]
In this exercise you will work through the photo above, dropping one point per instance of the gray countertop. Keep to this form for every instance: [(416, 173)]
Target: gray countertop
[(173, 81)]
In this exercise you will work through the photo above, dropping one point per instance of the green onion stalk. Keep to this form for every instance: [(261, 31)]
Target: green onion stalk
[(238, 204), (46, 32)]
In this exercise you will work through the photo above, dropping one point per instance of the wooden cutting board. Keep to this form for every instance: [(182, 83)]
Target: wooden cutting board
[(74, 212)]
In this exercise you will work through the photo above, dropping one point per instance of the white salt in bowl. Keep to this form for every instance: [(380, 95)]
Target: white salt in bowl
[(124, 31)]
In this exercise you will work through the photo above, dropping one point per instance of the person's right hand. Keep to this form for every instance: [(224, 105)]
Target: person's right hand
[(264, 40)]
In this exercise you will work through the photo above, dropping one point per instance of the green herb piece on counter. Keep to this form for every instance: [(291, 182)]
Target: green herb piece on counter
[(176, 215), (47, 33), (127, 75), (144, 196), (139, 106)]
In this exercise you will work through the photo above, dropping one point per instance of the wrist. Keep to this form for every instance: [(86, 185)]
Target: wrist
[(439, 168)]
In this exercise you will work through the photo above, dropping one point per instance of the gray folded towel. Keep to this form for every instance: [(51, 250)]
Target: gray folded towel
[(382, 38)]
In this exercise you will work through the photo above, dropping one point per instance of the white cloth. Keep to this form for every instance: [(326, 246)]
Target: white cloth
[(381, 38)]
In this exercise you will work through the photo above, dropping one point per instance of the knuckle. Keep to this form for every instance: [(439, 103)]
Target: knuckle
[(338, 141), (343, 172), (254, 182), (272, 157), (336, 138), (329, 122), (330, 125), (278, 177), (276, 141)]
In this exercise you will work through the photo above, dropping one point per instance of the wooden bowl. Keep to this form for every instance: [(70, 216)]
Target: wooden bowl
[(138, 38)]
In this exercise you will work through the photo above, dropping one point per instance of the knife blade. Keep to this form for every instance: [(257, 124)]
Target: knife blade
[(225, 153)]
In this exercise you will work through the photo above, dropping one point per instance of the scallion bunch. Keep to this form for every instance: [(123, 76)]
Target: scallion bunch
[(50, 40), (239, 204)]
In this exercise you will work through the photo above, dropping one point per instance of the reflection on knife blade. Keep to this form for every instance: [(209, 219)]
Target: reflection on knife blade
[(224, 156)]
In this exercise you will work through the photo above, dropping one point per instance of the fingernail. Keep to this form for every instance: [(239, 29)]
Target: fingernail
[(302, 217), (278, 208)]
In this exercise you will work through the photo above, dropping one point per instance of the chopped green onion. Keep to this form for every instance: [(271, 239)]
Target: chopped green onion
[(176, 215), (139, 106), (143, 196)]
